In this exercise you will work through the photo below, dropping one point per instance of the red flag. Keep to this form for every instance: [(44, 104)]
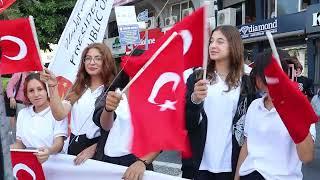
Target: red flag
[(293, 107), (191, 28), (157, 101), (26, 166), (18, 46), (4, 4)]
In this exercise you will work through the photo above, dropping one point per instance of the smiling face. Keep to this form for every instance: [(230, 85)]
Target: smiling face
[(37, 94), (93, 62), (218, 47)]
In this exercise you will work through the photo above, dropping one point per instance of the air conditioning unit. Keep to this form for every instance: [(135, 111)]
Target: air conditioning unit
[(171, 20), (151, 23), (186, 12), (227, 17)]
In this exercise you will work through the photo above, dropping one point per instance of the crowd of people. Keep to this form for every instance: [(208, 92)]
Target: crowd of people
[(232, 124)]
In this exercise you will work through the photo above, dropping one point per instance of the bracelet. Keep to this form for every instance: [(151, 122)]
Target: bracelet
[(143, 161), (107, 109)]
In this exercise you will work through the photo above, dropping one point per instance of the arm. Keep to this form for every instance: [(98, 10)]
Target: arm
[(87, 153), (305, 149), (59, 110), (12, 82), (17, 145), (242, 156), (136, 170), (45, 152)]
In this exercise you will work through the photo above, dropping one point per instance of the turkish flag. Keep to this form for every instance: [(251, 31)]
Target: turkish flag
[(191, 29), (19, 52), (157, 102), (4, 4), (25, 165), (293, 107)]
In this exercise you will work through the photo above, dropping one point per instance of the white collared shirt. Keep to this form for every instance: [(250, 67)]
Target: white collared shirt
[(37, 130), (271, 151), (220, 108), (120, 135), (82, 113)]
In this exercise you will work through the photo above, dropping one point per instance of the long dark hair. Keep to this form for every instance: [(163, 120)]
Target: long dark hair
[(32, 76), (263, 59), (236, 50), (83, 79)]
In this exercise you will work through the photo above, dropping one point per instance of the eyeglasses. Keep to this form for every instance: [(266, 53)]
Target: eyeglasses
[(96, 59)]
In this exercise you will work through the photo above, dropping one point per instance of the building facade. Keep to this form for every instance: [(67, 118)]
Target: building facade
[(295, 24)]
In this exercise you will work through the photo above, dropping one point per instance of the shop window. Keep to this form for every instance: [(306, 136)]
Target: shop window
[(250, 7), (287, 7), (304, 4), (240, 13), (271, 6), (177, 9)]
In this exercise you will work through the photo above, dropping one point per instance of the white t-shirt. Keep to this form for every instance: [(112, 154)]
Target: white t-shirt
[(37, 130), (271, 151), (220, 108), (120, 135), (82, 113)]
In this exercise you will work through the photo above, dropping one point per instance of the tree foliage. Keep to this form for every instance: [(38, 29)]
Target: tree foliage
[(50, 17)]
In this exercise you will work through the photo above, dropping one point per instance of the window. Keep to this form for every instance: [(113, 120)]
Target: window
[(240, 13), (270, 4), (176, 9), (250, 6), (285, 7)]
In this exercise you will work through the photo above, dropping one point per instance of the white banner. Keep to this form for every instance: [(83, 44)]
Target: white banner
[(61, 167), (87, 24)]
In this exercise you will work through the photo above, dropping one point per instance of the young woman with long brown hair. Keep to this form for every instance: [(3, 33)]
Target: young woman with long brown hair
[(97, 70), (215, 107)]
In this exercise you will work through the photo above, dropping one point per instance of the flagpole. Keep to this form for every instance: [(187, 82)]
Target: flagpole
[(34, 32), (273, 47), (162, 47), (205, 41)]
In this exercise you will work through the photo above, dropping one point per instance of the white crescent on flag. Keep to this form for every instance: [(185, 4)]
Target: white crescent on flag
[(22, 45), (187, 40), (161, 81), (24, 167)]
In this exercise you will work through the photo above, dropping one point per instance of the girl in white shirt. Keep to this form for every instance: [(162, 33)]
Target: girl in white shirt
[(269, 152), (96, 70), (36, 126)]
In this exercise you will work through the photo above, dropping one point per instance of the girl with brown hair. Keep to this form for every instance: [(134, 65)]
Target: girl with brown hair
[(36, 126), (215, 107), (97, 70)]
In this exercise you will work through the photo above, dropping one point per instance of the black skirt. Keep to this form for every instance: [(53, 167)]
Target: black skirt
[(80, 143), (126, 160)]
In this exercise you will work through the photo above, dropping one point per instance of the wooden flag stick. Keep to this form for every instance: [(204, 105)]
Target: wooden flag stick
[(205, 41), (153, 57), (273, 47), (34, 32)]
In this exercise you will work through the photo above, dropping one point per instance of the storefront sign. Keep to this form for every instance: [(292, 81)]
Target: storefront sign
[(115, 46), (313, 19), (153, 35), (255, 30)]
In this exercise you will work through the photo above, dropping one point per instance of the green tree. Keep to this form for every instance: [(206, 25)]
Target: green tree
[(50, 17)]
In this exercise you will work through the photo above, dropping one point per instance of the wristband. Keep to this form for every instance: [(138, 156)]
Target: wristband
[(107, 109), (143, 161)]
